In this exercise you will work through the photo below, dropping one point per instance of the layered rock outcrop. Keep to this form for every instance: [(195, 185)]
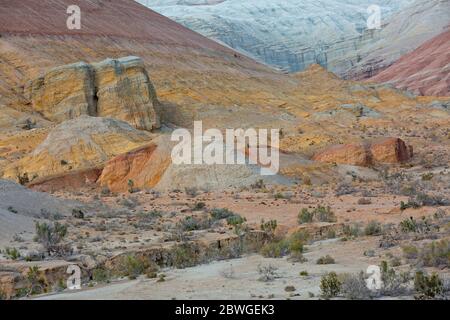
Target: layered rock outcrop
[(116, 88), (82, 143), (139, 168), (125, 92), (64, 92), (386, 150)]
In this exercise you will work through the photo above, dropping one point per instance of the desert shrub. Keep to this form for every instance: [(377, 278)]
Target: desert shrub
[(275, 249), (101, 274), (219, 214), (373, 228), (412, 225), (393, 283), (132, 266), (320, 214), (427, 176), (410, 204), (330, 285), (304, 273), (36, 282), (267, 272), (3, 295), (324, 214), (325, 260), (199, 206), (192, 223), (305, 216), (235, 220), (352, 231), (354, 287), (269, 227), (427, 287), (12, 253), (228, 273), (183, 257), (435, 254), (50, 236)]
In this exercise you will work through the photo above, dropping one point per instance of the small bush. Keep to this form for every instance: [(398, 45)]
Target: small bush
[(12, 253), (330, 285), (393, 283), (354, 287), (50, 236), (100, 274), (132, 266), (325, 260), (269, 227), (427, 287), (305, 216), (36, 283), (220, 214), (435, 254), (275, 249), (304, 273), (191, 192), (267, 272), (352, 231), (320, 214), (373, 228)]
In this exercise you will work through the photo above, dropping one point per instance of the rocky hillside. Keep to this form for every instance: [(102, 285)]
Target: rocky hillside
[(424, 71), (286, 34)]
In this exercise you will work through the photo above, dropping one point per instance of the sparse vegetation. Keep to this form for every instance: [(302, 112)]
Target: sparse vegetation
[(354, 287), (330, 285), (326, 260), (373, 228), (12, 253), (50, 237), (267, 272), (318, 214), (427, 286)]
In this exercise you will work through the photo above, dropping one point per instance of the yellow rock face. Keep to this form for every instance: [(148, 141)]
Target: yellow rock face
[(64, 92), (82, 143), (125, 92), (119, 89)]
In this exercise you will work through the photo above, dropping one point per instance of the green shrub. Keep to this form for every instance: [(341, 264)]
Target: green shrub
[(12, 253), (352, 231), (436, 254), (410, 252), (275, 249), (354, 287), (269, 227), (50, 236), (132, 266), (219, 214), (36, 282), (373, 228), (325, 260), (101, 274), (330, 285), (305, 216), (304, 273), (320, 214), (427, 287)]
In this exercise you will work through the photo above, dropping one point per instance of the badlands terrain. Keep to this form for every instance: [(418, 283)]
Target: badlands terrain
[(87, 179)]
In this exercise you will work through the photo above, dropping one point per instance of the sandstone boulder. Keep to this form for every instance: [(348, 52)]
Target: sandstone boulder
[(390, 150), (125, 92), (78, 144), (64, 92), (353, 154), (386, 150)]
